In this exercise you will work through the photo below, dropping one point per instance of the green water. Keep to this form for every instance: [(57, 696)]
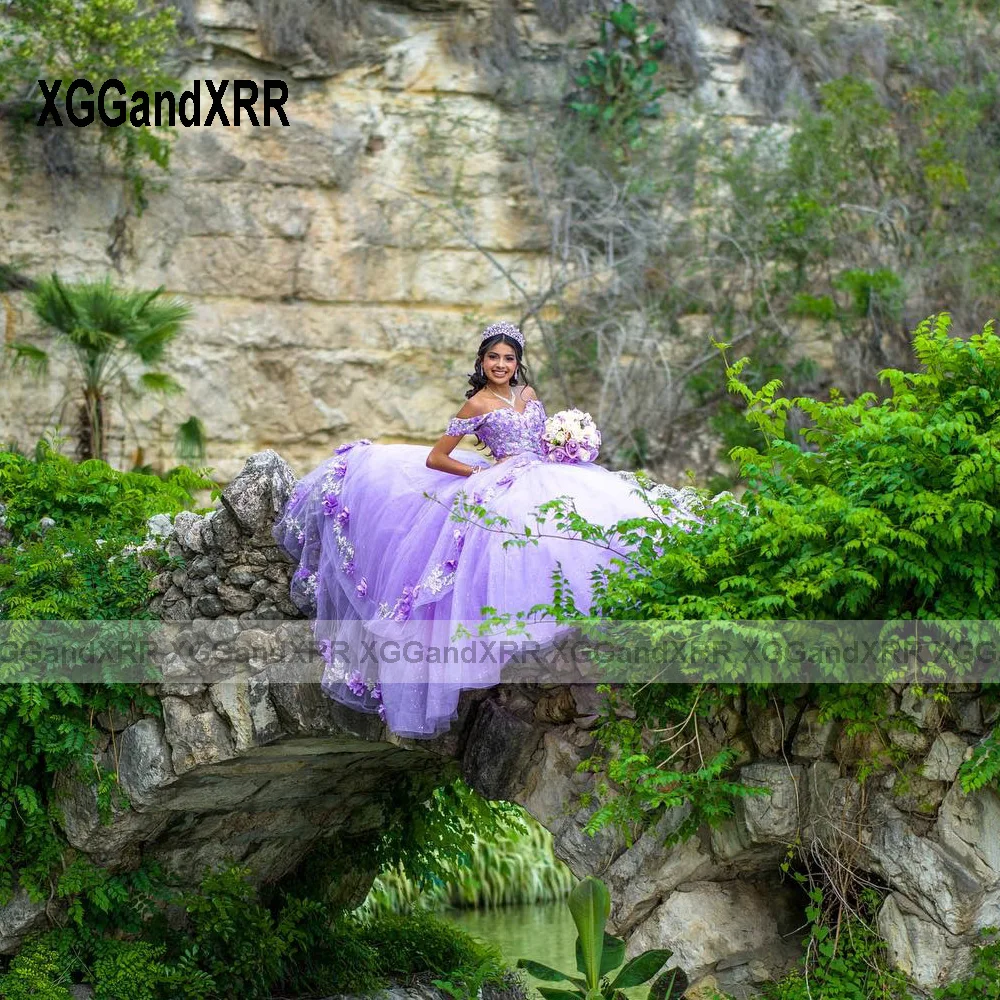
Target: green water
[(543, 933)]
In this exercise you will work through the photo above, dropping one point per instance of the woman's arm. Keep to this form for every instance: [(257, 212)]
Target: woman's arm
[(440, 455)]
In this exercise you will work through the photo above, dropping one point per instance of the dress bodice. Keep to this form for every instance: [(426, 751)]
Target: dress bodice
[(505, 432)]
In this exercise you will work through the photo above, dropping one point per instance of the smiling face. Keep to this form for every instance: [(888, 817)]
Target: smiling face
[(499, 365)]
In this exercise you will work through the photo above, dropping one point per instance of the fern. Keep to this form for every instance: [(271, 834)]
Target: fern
[(983, 767)]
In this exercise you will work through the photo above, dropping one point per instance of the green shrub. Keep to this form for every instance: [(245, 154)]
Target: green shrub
[(600, 957), (236, 948), (128, 970), (75, 568), (984, 981), (129, 40), (506, 867), (408, 945), (233, 937), (34, 974), (79, 566)]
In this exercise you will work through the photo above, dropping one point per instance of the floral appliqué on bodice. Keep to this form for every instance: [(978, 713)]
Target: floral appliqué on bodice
[(505, 432)]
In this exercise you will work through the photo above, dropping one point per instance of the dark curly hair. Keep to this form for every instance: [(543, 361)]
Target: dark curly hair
[(478, 378)]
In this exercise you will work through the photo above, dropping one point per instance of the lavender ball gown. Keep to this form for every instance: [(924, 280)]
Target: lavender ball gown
[(388, 573)]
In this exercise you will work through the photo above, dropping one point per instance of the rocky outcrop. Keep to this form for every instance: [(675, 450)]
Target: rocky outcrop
[(341, 267), (248, 761)]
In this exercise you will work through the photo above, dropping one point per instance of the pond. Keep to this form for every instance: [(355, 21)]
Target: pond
[(544, 933)]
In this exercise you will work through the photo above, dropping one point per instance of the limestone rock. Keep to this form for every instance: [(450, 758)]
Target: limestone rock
[(246, 705), (922, 869), (969, 827), (774, 818), (913, 793), (259, 492), (814, 739), (924, 710), (144, 764), (647, 872), (919, 947), (195, 737), (499, 748), (17, 918), (767, 726), (113, 844), (552, 791), (913, 743), (160, 526), (721, 927), (189, 531), (945, 757)]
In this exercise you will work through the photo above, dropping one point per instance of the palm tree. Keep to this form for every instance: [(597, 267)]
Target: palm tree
[(111, 331)]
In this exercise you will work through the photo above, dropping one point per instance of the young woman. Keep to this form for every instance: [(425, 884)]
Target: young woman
[(392, 558)]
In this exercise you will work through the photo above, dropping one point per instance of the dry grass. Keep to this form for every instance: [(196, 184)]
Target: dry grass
[(787, 57), (292, 29), (558, 15), (490, 40)]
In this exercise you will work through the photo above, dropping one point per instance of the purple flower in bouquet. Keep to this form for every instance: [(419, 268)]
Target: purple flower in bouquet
[(571, 437)]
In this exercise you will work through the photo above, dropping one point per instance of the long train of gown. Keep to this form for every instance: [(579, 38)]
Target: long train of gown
[(388, 573)]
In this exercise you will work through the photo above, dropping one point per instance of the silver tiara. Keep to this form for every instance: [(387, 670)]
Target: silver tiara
[(506, 329)]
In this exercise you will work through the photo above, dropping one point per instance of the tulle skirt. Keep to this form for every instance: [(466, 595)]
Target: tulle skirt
[(396, 563)]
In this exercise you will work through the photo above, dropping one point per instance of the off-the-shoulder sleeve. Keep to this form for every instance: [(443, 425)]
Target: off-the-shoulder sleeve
[(459, 426)]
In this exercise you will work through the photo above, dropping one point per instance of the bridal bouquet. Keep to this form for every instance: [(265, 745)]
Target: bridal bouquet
[(571, 437)]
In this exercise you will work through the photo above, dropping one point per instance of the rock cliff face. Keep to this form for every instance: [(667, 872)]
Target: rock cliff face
[(261, 768), (338, 279)]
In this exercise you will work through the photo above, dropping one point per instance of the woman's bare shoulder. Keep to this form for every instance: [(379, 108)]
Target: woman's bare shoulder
[(474, 406), (528, 393)]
